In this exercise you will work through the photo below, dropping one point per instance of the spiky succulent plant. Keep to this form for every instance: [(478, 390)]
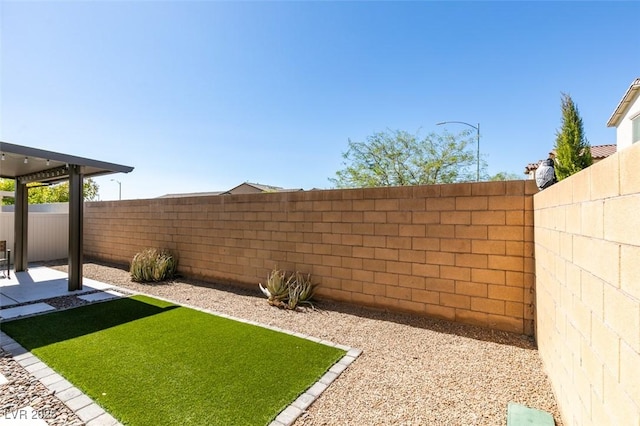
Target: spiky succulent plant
[(288, 291)]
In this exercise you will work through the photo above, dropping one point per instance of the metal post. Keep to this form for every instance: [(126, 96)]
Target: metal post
[(478, 154), (75, 227), (119, 188), (21, 227)]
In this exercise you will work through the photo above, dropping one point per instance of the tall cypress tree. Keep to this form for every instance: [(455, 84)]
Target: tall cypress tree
[(573, 152)]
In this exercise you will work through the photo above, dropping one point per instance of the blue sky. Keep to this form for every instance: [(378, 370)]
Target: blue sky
[(202, 96)]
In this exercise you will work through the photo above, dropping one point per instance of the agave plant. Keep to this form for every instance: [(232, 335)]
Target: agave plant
[(304, 288), (288, 291), (277, 290)]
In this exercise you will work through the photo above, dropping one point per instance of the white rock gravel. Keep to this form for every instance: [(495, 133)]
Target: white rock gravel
[(413, 370)]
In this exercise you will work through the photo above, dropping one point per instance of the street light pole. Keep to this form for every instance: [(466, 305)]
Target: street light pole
[(478, 138), (119, 188)]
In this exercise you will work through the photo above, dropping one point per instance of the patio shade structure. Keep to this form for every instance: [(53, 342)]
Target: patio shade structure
[(27, 165)]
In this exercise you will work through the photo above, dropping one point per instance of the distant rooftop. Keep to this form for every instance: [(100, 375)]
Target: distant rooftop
[(191, 194), (243, 188), (603, 151), (598, 152)]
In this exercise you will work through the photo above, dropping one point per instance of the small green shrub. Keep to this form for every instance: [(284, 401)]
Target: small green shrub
[(153, 265), (288, 292)]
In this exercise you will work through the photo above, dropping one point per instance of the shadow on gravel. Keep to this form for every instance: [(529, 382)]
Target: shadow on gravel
[(432, 324), (417, 321), (238, 289)]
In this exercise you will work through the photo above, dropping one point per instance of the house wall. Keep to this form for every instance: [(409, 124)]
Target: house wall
[(624, 131), (587, 245), (463, 252)]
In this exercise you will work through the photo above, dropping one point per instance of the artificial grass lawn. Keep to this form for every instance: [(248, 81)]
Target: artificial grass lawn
[(149, 362)]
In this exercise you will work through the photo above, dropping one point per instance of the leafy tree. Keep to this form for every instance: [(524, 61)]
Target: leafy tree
[(58, 193), (396, 158), (573, 152), (501, 176)]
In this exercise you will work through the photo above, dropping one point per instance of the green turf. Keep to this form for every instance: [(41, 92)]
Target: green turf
[(149, 362)]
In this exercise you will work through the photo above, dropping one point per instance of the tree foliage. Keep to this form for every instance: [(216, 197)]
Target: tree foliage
[(397, 157), (503, 176), (58, 193), (573, 152)]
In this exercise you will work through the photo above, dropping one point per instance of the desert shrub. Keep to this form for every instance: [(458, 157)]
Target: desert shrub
[(288, 291), (153, 265)]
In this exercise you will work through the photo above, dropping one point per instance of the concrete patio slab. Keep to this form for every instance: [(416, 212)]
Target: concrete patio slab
[(102, 295), (40, 283), (20, 311), (6, 301)]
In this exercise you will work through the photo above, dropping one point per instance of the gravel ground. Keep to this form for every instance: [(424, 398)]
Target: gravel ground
[(24, 390), (413, 370)]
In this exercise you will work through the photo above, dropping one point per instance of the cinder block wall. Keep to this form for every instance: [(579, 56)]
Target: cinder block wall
[(587, 235), (463, 252)]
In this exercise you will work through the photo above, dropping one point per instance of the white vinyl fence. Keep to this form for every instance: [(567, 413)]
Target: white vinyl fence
[(48, 235)]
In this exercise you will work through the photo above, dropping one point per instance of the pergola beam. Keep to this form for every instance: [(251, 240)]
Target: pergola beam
[(26, 164)]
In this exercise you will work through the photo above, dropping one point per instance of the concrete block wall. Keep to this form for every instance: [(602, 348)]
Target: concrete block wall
[(463, 252), (587, 248)]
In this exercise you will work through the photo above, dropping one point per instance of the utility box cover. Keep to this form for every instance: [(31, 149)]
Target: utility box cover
[(519, 415)]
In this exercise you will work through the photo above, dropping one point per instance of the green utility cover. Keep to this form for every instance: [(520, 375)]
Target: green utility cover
[(519, 415)]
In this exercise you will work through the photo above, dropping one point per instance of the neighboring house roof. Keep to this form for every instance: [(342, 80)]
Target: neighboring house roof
[(190, 194), (598, 152), (248, 187), (627, 100), (243, 188)]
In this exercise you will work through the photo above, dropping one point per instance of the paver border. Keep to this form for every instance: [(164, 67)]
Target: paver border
[(83, 406), (93, 415)]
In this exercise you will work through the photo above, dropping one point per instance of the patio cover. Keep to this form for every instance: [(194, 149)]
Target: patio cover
[(26, 165)]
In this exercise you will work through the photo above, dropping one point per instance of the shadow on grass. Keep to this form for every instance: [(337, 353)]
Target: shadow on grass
[(43, 330)]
